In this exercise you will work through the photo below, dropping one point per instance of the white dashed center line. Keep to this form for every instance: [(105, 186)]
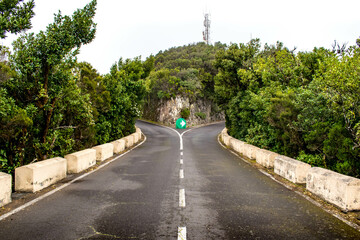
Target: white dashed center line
[(181, 230), (181, 233), (181, 173), (182, 198)]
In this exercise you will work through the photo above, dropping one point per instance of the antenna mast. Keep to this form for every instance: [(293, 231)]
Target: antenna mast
[(206, 32)]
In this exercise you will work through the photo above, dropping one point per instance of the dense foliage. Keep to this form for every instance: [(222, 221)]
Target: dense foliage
[(15, 16), (304, 105), (51, 105), (187, 71)]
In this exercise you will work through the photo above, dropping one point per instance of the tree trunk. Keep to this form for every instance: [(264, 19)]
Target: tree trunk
[(48, 119)]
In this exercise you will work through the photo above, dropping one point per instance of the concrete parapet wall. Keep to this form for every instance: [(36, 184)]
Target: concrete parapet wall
[(39, 175), (129, 141), (250, 151), (291, 169), (237, 145), (80, 161), (340, 190), (138, 131), (136, 137), (225, 137), (104, 151), (5, 189), (266, 158), (119, 146)]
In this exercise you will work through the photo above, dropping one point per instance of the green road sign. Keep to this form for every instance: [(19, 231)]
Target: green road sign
[(181, 123)]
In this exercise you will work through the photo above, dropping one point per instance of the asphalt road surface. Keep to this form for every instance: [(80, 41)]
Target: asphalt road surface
[(167, 190)]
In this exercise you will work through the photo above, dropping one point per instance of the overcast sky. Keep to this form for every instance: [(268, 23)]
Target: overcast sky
[(130, 28)]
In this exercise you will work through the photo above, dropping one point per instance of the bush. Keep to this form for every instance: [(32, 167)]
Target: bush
[(315, 160), (201, 115), (185, 113)]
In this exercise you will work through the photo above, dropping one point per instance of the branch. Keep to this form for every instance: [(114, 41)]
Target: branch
[(66, 127)]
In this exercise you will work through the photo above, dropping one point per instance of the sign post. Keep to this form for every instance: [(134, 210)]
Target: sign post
[(180, 123)]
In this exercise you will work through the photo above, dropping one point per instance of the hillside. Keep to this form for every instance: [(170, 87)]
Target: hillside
[(182, 85)]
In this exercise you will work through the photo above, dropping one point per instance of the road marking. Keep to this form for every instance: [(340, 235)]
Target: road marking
[(181, 233), (181, 230), (180, 136), (182, 198), (2, 217), (181, 173)]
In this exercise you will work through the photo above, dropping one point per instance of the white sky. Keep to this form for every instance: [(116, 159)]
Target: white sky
[(130, 28)]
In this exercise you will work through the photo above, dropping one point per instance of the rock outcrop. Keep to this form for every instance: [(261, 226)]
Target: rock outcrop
[(168, 111)]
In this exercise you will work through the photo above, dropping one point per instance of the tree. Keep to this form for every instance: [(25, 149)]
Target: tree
[(339, 80), (233, 65), (15, 16), (92, 83), (43, 63), (14, 124), (127, 92)]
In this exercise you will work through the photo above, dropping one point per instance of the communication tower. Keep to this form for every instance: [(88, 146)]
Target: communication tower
[(206, 32)]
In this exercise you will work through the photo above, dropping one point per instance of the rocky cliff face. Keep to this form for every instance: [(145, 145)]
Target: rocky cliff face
[(168, 111)]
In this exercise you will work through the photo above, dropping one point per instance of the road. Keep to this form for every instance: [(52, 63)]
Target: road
[(158, 191)]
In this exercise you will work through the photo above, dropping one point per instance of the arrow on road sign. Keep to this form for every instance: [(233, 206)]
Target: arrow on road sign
[(181, 123)]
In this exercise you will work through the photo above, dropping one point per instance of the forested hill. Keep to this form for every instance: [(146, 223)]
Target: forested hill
[(185, 72), (197, 55)]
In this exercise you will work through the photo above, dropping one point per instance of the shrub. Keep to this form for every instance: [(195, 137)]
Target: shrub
[(185, 113), (201, 115)]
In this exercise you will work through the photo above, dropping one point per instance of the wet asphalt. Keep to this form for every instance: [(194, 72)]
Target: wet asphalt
[(137, 197)]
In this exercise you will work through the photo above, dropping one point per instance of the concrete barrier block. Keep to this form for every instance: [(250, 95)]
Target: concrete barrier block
[(80, 161), (39, 175), (5, 189), (232, 143), (250, 151), (237, 145), (291, 169), (104, 151), (266, 158), (222, 133), (129, 141), (139, 132), (136, 137), (340, 190), (226, 139), (119, 146)]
